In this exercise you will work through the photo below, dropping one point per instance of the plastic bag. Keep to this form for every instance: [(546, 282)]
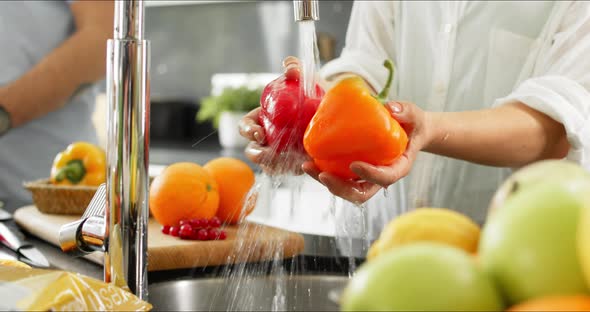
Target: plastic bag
[(24, 289)]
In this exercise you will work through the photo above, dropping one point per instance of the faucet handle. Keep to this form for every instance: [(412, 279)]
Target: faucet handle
[(68, 236), (97, 204), (87, 234)]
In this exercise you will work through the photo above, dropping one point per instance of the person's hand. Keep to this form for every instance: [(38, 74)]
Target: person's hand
[(257, 150), (373, 178)]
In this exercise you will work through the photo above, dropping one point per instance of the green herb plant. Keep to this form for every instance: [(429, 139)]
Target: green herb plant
[(241, 99)]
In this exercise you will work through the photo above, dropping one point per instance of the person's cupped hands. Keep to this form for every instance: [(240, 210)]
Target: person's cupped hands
[(373, 178)]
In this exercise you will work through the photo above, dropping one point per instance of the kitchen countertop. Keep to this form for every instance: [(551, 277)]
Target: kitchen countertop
[(320, 255)]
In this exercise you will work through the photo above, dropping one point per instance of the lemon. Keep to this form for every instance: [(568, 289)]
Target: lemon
[(438, 225), (583, 241), (13, 263)]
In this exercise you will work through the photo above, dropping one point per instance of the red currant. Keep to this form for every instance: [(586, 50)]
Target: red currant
[(174, 231), (186, 230), (214, 222), (198, 223), (202, 234), (213, 234), (166, 229), (222, 235), (183, 222), (194, 234)]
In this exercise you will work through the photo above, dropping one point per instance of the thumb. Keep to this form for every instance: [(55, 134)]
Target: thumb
[(292, 67), (403, 112)]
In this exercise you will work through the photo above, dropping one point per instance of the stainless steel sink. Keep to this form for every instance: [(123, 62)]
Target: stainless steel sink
[(287, 293)]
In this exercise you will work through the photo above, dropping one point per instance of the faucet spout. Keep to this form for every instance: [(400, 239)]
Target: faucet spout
[(306, 10), (119, 228)]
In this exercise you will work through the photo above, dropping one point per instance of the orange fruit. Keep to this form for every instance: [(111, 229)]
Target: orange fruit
[(183, 191), (554, 303), (234, 179)]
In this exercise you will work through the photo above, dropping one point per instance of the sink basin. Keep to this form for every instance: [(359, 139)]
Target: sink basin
[(293, 293)]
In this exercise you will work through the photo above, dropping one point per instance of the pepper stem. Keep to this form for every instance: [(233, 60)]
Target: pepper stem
[(382, 96), (73, 171)]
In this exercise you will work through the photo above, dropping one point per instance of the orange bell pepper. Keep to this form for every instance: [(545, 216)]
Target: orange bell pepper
[(353, 125)]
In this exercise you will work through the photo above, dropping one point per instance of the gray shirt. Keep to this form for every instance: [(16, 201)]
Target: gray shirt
[(29, 30)]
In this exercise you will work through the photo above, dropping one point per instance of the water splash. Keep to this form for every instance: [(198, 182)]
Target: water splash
[(351, 231), (238, 289)]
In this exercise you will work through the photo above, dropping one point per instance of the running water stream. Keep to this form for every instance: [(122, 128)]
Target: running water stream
[(309, 56)]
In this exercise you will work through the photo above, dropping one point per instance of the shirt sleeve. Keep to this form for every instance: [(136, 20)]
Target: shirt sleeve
[(560, 85), (369, 41)]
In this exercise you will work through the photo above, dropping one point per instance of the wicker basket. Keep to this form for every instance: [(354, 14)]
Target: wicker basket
[(60, 199)]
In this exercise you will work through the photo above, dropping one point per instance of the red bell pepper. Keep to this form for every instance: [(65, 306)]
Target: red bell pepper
[(286, 112)]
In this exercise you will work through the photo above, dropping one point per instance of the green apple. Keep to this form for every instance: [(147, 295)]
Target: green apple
[(421, 276), (529, 246), (561, 171)]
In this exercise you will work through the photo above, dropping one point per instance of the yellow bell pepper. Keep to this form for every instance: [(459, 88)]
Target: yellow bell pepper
[(81, 163)]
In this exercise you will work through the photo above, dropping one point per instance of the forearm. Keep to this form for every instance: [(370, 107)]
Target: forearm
[(511, 136), (48, 85)]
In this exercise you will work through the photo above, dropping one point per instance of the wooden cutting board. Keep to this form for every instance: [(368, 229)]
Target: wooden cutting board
[(256, 242)]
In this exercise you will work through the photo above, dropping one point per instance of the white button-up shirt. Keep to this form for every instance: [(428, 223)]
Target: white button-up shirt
[(467, 55)]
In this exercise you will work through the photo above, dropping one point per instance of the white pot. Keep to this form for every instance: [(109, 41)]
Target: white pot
[(229, 133)]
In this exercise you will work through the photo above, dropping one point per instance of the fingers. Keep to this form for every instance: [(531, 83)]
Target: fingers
[(356, 192), (257, 153), (291, 61), (266, 156), (310, 168), (387, 175), (383, 175), (250, 129), (274, 163), (292, 67)]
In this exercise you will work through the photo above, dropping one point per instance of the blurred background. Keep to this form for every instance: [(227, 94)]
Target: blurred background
[(192, 41)]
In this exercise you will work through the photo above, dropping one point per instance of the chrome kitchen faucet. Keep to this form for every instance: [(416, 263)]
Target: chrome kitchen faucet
[(120, 230)]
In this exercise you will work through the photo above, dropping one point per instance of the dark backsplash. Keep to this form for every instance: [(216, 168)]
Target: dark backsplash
[(190, 43)]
